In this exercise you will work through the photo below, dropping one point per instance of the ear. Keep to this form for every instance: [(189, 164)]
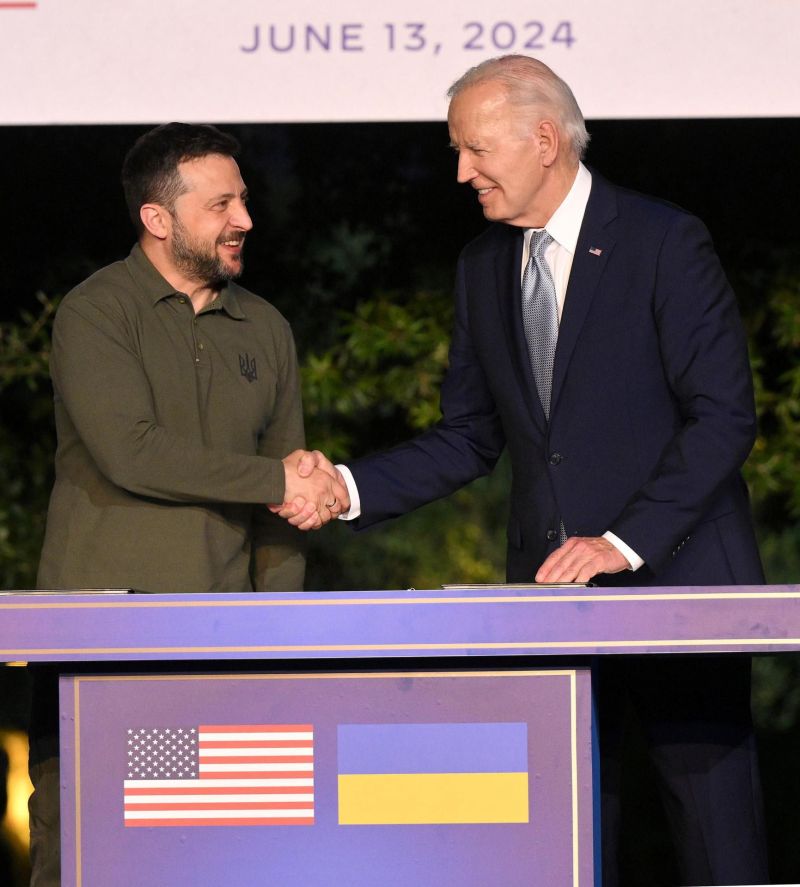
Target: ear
[(548, 138), (156, 220)]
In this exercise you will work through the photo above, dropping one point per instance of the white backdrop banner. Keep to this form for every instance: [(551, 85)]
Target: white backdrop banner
[(136, 61)]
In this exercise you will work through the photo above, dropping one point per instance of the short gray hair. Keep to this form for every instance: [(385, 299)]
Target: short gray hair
[(531, 84)]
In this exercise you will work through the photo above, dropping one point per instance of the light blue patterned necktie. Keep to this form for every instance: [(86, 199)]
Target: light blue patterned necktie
[(540, 319), (540, 316)]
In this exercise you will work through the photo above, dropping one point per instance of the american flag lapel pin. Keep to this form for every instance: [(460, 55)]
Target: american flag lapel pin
[(595, 251)]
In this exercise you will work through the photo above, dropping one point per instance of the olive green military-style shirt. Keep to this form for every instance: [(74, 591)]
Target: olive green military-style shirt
[(171, 427)]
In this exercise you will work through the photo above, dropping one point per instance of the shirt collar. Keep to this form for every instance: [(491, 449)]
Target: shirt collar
[(158, 288), (565, 223)]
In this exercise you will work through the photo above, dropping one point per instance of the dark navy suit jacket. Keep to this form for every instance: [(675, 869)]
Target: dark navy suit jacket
[(652, 408)]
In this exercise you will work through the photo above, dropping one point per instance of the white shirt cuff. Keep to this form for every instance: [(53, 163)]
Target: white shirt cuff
[(352, 491), (626, 551)]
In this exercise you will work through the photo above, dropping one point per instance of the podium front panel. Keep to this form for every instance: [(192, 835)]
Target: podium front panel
[(324, 778)]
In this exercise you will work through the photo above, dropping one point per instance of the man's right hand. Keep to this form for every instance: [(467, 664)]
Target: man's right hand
[(315, 491)]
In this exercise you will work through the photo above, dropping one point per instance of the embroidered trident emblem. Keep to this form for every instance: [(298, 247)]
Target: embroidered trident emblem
[(247, 367)]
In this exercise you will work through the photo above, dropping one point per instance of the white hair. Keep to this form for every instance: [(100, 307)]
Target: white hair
[(530, 84)]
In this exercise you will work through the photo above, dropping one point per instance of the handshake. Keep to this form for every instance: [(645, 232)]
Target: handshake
[(315, 491)]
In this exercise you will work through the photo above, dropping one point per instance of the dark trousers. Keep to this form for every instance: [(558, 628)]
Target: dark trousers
[(43, 766), (45, 824), (694, 713)]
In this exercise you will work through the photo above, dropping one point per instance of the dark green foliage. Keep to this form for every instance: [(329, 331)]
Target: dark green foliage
[(26, 442)]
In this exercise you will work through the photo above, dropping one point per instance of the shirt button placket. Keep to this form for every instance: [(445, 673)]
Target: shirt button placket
[(198, 345)]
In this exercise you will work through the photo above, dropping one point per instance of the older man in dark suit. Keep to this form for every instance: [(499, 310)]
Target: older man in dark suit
[(597, 338)]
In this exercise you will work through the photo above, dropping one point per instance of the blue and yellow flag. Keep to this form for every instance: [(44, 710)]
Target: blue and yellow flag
[(395, 774)]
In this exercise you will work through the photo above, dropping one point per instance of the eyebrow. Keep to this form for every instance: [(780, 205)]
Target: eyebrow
[(228, 195)]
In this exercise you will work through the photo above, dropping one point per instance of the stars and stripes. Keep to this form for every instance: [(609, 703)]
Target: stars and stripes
[(254, 774)]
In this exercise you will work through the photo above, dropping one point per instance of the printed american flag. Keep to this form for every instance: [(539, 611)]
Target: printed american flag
[(254, 774)]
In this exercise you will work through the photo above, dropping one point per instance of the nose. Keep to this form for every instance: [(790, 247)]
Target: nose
[(240, 217), (466, 171)]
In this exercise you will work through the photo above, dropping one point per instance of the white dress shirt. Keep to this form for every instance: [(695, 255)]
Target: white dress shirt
[(563, 226)]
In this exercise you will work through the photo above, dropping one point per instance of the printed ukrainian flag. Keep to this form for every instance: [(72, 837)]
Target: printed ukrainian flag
[(395, 774)]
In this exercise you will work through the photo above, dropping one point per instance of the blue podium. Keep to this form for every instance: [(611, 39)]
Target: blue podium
[(360, 738)]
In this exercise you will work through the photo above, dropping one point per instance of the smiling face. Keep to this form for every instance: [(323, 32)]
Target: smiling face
[(209, 221), (507, 155)]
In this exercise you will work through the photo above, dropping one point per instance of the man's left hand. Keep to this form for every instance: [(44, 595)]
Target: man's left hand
[(580, 558)]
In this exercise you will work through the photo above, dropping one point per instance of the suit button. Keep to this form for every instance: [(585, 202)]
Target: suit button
[(555, 458), (551, 535)]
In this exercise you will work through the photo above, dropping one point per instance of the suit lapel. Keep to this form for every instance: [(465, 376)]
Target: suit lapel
[(595, 244), (508, 265)]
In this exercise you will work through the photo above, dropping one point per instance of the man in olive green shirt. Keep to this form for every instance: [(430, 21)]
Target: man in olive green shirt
[(171, 429), (177, 400)]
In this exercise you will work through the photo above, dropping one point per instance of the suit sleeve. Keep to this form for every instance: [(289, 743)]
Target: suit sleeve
[(705, 362), (465, 444)]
